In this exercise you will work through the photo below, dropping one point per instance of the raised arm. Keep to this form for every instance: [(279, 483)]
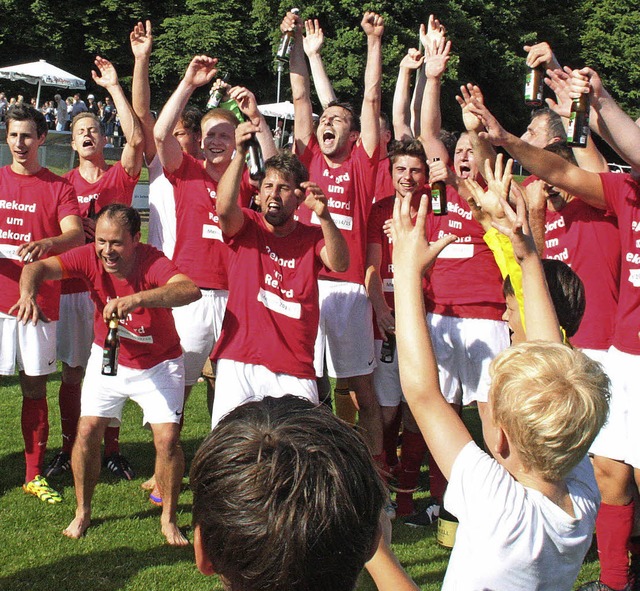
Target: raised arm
[(387, 572), (312, 44), (200, 71), (300, 85), (248, 105), (611, 122), (401, 113), (26, 308), (588, 157), (178, 291), (550, 167), (132, 153), (71, 235), (373, 26), (440, 425), (435, 64), (227, 207), (141, 41), (335, 252)]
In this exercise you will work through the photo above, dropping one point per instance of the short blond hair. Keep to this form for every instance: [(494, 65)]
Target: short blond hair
[(551, 400)]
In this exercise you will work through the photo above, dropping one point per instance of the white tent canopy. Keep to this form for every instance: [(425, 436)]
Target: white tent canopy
[(282, 110), (42, 74)]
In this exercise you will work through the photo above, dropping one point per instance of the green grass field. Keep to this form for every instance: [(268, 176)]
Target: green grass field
[(124, 549)]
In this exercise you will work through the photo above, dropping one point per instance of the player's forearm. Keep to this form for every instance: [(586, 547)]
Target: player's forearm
[(483, 151), (171, 295), (265, 139), (335, 244), (372, 98), (321, 81), (68, 239), (140, 89), (373, 285), (401, 114), (416, 102), (171, 112), (34, 274), (617, 129), (128, 120), (227, 206), (301, 95), (387, 572)]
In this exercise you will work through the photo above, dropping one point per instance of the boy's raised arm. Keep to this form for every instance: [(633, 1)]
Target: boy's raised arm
[(441, 427)]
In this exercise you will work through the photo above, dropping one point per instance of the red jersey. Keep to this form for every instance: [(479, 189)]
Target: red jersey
[(588, 240), (273, 311), (114, 186), (349, 189), (148, 335), (465, 281), (31, 208), (200, 252), (384, 182), (622, 194)]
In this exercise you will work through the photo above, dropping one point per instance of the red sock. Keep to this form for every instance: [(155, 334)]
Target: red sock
[(69, 400), (413, 450), (437, 481), (381, 464), (613, 530), (35, 431), (390, 440), (111, 441)]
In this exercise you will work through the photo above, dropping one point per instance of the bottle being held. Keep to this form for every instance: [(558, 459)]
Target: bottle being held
[(578, 129), (255, 160), (286, 43), (533, 87), (216, 96), (438, 196), (111, 349), (388, 350)]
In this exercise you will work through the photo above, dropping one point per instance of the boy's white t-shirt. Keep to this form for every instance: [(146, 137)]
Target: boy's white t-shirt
[(162, 210), (511, 537)]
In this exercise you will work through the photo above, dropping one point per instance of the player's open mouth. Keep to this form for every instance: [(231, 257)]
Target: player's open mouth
[(328, 136), (274, 206), (110, 263)]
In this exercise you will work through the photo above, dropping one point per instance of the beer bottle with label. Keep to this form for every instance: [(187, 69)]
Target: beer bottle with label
[(578, 128), (286, 43), (533, 87), (110, 349), (388, 350), (438, 196), (216, 96)]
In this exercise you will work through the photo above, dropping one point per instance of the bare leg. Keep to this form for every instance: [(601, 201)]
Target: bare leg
[(85, 463), (370, 414), (169, 470)]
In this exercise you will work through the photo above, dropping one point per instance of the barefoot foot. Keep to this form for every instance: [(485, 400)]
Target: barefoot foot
[(77, 527), (174, 536), (149, 484)]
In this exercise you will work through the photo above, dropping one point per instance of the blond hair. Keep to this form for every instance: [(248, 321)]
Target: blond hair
[(222, 114), (551, 401)]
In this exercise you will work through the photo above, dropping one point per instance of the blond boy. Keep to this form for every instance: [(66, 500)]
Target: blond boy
[(526, 514)]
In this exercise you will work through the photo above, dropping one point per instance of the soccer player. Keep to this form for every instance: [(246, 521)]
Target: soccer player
[(97, 184), (39, 217), (135, 283)]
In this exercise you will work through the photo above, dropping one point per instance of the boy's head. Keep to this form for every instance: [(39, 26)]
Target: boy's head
[(285, 498), (567, 294), (218, 142), (551, 401), (408, 165)]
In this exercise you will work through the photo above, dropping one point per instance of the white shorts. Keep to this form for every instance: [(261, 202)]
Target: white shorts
[(619, 439), (386, 380), (464, 349), (75, 334), (31, 348), (158, 391), (345, 330), (237, 383), (198, 325)]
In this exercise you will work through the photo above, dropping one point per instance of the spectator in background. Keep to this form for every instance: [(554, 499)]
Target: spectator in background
[(4, 105), (78, 106), (62, 115), (109, 120), (92, 107)]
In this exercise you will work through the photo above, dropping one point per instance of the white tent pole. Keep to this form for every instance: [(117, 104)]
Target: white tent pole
[(38, 96)]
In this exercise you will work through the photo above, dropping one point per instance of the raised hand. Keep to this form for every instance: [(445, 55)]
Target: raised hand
[(141, 40), (108, 77), (436, 58), (291, 22), (495, 133), (558, 81), (246, 101), (202, 70), (515, 226), (413, 60), (432, 33), (313, 38), (244, 132), (541, 54), (498, 186), (314, 198), (467, 94), (372, 24)]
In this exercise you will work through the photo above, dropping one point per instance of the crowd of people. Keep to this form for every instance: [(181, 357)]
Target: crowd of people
[(400, 259)]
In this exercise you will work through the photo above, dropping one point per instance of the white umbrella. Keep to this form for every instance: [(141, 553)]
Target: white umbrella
[(42, 74), (282, 110)]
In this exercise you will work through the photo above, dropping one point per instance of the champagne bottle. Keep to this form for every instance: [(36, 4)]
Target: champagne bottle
[(578, 129), (286, 43), (111, 349), (438, 196), (533, 87)]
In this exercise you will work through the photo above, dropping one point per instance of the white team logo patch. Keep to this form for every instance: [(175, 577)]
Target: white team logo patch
[(457, 251), (277, 304), (125, 333), (387, 285), (211, 232), (634, 277)]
